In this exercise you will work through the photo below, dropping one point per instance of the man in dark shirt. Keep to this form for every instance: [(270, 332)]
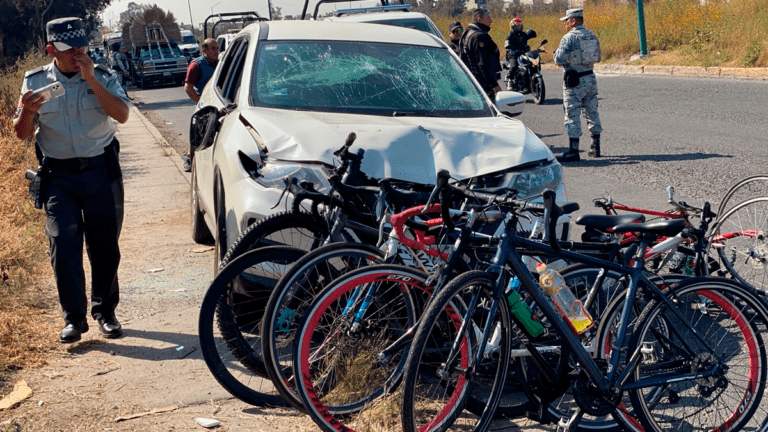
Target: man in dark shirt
[(200, 70), (516, 44), (456, 29), (480, 53)]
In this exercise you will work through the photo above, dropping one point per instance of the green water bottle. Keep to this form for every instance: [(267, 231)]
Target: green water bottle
[(522, 311)]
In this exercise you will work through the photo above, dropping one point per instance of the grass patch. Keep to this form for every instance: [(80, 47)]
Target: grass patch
[(28, 307), (681, 32)]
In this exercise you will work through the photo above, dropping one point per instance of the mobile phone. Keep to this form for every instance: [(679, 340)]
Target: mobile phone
[(51, 91)]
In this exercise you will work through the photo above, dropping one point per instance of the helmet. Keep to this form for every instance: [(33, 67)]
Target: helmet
[(516, 24)]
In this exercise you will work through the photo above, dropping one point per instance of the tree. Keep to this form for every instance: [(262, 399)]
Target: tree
[(276, 13), (19, 35)]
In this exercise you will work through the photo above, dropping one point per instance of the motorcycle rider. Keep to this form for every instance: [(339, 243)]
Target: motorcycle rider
[(516, 45)]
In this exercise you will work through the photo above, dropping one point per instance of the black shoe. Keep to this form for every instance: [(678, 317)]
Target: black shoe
[(187, 164), (110, 327), (569, 156), (73, 332)]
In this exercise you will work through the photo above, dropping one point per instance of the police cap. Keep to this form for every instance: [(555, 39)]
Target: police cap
[(66, 33)]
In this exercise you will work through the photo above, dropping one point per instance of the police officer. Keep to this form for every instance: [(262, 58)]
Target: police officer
[(82, 182), (516, 44), (119, 63), (200, 70), (579, 50), (480, 53), (455, 29)]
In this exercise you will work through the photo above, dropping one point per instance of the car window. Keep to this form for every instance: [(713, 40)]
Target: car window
[(235, 72), (366, 78), (188, 40)]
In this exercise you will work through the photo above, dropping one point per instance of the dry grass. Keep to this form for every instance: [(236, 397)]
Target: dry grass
[(678, 32), (27, 309)]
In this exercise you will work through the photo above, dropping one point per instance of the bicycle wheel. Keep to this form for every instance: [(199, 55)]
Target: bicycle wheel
[(746, 188), (299, 230), (729, 361), (342, 379), (293, 294), (439, 381), (741, 240), (232, 348)]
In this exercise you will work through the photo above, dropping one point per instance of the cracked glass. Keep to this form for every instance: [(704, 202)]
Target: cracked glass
[(364, 78)]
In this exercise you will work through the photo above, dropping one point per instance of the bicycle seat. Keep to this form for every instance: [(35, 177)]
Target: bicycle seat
[(606, 222), (666, 228)]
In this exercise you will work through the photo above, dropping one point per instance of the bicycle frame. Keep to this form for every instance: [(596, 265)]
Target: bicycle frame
[(610, 384)]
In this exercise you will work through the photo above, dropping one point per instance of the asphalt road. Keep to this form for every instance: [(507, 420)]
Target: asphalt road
[(700, 135)]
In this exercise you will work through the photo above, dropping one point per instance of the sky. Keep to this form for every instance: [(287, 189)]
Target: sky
[(201, 9)]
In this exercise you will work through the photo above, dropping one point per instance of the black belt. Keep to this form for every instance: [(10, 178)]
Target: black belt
[(75, 164), (585, 73)]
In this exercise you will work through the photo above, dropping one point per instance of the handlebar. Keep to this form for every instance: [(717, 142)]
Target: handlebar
[(550, 210)]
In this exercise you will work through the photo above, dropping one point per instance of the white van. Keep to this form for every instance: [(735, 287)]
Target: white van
[(189, 46)]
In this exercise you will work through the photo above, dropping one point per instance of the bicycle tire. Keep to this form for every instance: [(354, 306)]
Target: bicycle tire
[(746, 188), (731, 319), (300, 230), (745, 254), (338, 398), (251, 273), (293, 294), (435, 388)]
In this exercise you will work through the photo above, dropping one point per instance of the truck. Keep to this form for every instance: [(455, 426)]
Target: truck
[(150, 39), (189, 46)]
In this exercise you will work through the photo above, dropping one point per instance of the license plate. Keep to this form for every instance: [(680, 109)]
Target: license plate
[(166, 74)]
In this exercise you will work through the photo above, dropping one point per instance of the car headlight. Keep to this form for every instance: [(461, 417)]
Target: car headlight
[(272, 174), (535, 181)]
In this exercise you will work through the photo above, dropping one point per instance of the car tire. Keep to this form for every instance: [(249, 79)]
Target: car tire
[(200, 232)]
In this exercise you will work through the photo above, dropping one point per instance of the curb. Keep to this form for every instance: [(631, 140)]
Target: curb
[(760, 74), (170, 151)]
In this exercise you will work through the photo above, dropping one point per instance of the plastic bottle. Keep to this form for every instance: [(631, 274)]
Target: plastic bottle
[(563, 299), (521, 310)]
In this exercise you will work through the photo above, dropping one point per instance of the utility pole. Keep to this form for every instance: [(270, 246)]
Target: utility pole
[(192, 23), (641, 28)]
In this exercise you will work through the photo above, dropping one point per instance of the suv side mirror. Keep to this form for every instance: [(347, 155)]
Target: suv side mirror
[(510, 103)]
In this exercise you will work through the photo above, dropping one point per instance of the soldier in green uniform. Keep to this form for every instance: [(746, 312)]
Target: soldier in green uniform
[(82, 188), (579, 50)]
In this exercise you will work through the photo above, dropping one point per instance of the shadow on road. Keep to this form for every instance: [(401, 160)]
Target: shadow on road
[(189, 342), (607, 160), (164, 105)]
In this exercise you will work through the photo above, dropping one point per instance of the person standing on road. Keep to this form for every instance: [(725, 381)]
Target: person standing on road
[(82, 184), (455, 29), (480, 53), (119, 64), (200, 70), (579, 50)]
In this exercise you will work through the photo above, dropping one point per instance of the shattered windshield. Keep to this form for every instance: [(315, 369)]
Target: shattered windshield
[(364, 78)]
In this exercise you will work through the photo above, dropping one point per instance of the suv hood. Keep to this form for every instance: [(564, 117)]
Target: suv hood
[(405, 148)]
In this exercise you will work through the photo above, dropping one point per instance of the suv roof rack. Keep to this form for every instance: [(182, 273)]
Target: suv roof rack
[(401, 8)]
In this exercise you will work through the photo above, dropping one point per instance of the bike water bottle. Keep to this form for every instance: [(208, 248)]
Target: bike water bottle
[(521, 310), (565, 302)]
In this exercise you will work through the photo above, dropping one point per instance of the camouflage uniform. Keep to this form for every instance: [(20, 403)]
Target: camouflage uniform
[(578, 51)]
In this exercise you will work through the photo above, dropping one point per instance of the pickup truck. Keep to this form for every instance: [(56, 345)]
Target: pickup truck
[(159, 62)]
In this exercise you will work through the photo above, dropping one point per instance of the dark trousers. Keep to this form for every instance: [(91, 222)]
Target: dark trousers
[(85, 205)]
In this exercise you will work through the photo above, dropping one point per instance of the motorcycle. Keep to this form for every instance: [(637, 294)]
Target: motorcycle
[(528, 77)]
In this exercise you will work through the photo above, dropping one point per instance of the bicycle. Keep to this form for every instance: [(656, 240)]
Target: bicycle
[(657, 343)]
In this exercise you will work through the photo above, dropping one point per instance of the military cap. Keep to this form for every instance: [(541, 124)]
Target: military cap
[(66, 33), (455, 25), (573, 13)]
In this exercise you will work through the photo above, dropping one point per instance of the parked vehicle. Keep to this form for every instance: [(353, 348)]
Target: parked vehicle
[(155, 56), (528, 78), (396, 15), (287, 92), (189, 46)]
